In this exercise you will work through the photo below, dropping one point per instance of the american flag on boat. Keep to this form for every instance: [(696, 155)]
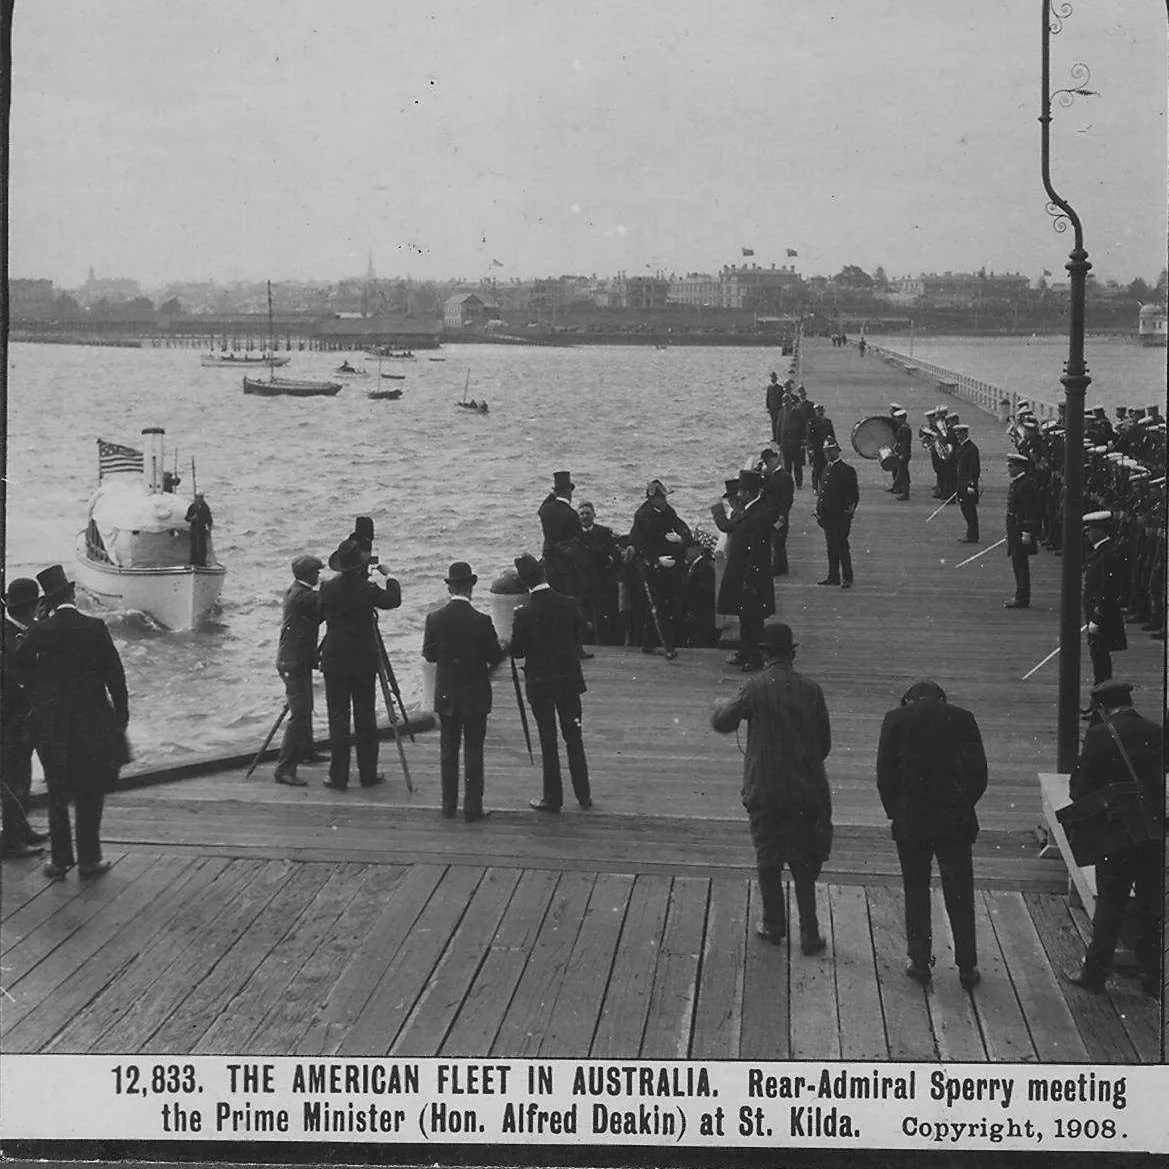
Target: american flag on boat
[(115, 459)]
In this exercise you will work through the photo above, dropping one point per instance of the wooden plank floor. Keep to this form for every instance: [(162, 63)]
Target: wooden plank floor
[(243, 916), (177, 954)]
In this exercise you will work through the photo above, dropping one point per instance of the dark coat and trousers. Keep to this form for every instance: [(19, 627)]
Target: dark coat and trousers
[(931, 771), (648, 538), (79, 710), (785, 787), (296, 658), (546, 634), (747, 590), (1022, 520), (463, 645), (1103, 606), (903, 449), (835, 505), (778, 494), (564, 557), (968, 469), (16, 744), (350, 658), (1138, 868)]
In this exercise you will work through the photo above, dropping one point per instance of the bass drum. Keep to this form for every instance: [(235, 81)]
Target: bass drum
[(887, 459), (872, 434)]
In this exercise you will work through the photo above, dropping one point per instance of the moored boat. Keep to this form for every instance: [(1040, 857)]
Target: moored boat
[(212, 360), (385, 395), (136, 549), (394, 377), (348, 371), (288, 387)]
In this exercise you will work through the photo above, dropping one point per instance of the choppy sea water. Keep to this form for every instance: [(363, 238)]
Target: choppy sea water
[(285, 476)]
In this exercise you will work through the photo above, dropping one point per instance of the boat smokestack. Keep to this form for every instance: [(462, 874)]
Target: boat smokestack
[(152, 457)]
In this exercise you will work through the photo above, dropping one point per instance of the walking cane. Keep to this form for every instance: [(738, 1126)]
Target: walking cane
[(643, 573), (381, 675), (519, 698), (983, 552), (942, 507), (1046, 659), (271, 736)]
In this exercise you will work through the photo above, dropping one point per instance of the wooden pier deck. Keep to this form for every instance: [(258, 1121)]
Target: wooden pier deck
[(244, 917)]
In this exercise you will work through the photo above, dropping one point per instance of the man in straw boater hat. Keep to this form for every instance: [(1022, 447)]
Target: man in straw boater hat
[(296, 657), (1022, 522), (350, 658), (463, 645), (1103, 611), (1121, 747), (19, 839), (76, 690), (546, 633), (785, 788), (931, 771)]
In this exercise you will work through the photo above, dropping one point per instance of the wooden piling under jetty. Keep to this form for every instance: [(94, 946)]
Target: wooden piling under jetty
[(246, 917)]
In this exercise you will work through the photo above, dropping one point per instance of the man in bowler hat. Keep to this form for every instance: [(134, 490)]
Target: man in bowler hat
[(747, 591), (19, 839), (931, 771), (351, 657), (546, 633), (463, 645), (296, 658), (76, 689), (785, 788)]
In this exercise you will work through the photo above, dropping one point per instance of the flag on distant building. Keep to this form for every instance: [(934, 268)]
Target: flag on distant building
[(496, 264), (793, 253), (748, 251), (115, 459)]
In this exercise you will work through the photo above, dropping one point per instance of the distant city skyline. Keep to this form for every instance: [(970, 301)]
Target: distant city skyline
[(463, 140)]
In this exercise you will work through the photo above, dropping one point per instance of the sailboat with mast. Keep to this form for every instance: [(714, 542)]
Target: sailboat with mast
[(274, 386)]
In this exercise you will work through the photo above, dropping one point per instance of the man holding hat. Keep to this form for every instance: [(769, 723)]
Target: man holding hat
[(1103, 610), (296, 657), (464, 647), (1022, 527), (967, 472), (560, 522), (350, 659), (785, 787), (546, 633), (19, 838), (76, 689), (746, 590), (659, 539), (835, 506), (931, 771), (1122, 747)]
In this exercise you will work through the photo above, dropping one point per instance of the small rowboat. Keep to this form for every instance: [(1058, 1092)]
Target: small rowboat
[(478, 407), (395, 377), (349, 371), (216, 359), (386, 395)]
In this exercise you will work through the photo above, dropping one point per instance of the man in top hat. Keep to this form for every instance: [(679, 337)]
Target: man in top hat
[(785, 787), (1102, 595), (820, 430), (931, 771), (19, 838), (76, 690), (296, 657), (1022, 527), (546, 633), (774, 402), (835, 506), (903, 450), (747, 591), (778, 494), (1122, 747), (659, 540), (967, 472), (562, 552), (200, 522), (729, 506), (463, 644), (351, 656)]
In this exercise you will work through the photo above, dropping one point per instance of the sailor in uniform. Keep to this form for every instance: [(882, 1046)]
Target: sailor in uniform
[(967, 471), (903, 449), (1101, 595), (835, 506), (1022, 526)]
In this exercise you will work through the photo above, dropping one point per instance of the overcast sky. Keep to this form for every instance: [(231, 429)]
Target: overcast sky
[(244, 139)]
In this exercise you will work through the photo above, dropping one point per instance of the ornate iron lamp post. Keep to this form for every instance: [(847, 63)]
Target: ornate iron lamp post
[(1075, 382)]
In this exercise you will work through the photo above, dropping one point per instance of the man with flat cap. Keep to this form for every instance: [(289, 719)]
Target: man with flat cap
[(747, 590), (967, 472), (19, 838), (1103, 606), (659, 539), (463, 645), (560, 522), (546, 634), (296, 657), (350, 659), (1121, 747), (835, 506), (931, 771), (785, 787), (80, 709), (1022, 527)]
